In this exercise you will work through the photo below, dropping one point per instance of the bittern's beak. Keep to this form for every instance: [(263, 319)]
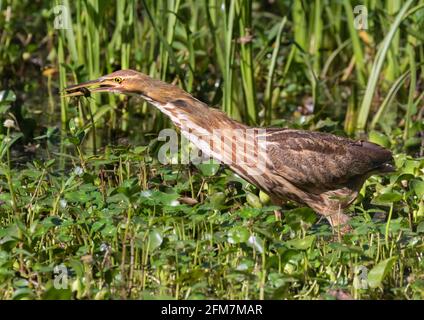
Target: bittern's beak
[(101, 84)]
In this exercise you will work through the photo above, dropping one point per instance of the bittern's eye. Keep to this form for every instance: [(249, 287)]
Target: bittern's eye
[(118, 80)]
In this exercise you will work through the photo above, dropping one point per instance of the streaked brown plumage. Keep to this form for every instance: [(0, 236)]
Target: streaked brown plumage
[(320, 170)]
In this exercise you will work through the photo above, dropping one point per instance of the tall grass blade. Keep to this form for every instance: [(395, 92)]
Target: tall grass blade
[(229, 58), (244, 8), (271, 70), (165, 43), (375, 72), (412, 89), (388, 99), (356, 43)]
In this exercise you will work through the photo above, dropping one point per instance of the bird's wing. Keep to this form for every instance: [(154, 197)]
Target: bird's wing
[(318, 162)]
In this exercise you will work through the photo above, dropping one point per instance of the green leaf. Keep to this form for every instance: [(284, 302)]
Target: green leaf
[(413, 142), (377, 274), (238, 235), (7, 97), (4, 109), (301, 244), (118, 198), (379, 138), (97, 226), (411, 166), (77, 196), (77, 267), (72, 126), (140, 149), (253, 200), (208, 169), (248, 212), (168, 199), (20, 283), (345, 248), (295, 217), (264, 198), (420, 228), (7, 144), (217, 200), (418, 187), (49, 163), (155, 240), (387, 198), (57, 294), (23, 294)]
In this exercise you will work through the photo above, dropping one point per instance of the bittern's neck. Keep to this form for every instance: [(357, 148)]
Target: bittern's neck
[(209, 129), (185, 111)]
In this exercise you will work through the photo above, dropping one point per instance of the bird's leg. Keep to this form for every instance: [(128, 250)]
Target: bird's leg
[(277, 214), (278, 202), (333, 212), (339, 222)]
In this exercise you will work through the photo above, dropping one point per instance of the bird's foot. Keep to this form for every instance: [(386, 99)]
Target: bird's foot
[(339, 223), (277, 214)]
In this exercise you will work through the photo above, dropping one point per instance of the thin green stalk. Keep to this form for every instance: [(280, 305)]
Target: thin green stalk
[(332, 57), (271, 70), (316, 39), (356, 43), (124, 242), (126, 39), (388, 99), (412, 88), (244, 8), (191, 60), (79, 30), (69, 34), (352, 108), (171, 17), (93, 127), (8, 173), (229, 58), (62, 83), (212, 11), (299, 26), (93, 28), (389, 219), (392, 69), (165, 44), (50, 95), (126, 18), (263, 277)]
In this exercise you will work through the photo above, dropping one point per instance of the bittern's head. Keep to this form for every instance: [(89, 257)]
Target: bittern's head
[(122, 81), (130, 82), (173, 101)]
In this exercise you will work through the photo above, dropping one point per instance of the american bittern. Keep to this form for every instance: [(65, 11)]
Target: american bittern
[(321, 170)]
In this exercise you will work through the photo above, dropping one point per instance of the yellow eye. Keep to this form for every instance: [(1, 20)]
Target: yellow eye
[(118, 79)]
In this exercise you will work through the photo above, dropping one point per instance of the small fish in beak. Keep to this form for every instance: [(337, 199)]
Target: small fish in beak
[(101, 84), (83, 91)]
